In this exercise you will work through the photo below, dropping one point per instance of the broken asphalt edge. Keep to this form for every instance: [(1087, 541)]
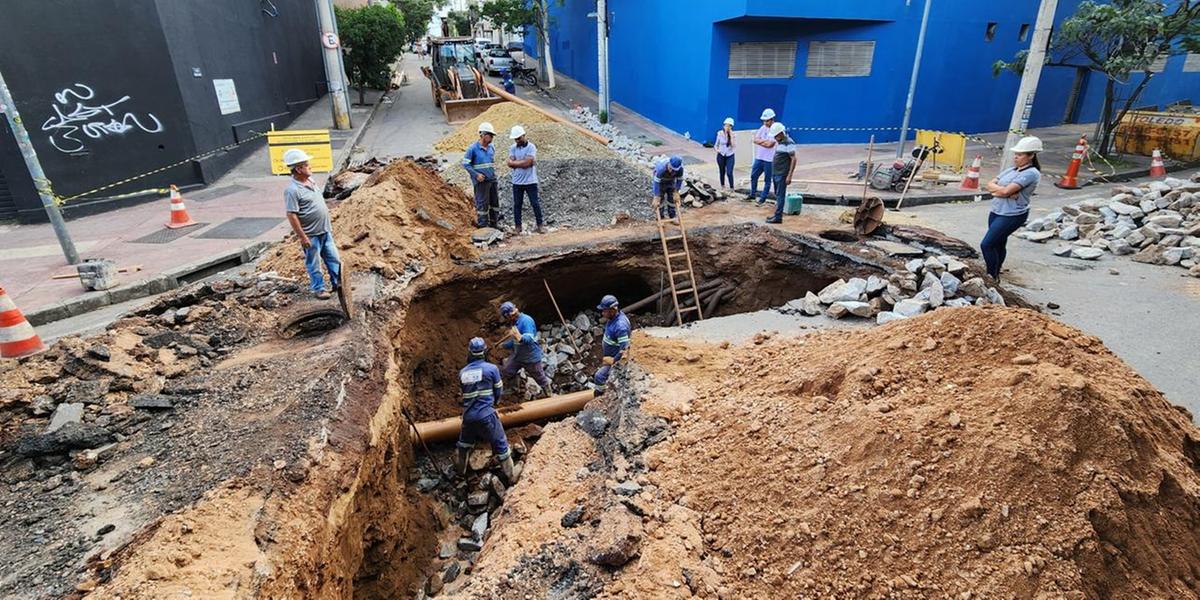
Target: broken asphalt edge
[(167, 281)]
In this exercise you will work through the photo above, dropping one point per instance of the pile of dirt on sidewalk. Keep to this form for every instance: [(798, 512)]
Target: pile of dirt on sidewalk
[(502, 116), (968, 453), (404, 218)]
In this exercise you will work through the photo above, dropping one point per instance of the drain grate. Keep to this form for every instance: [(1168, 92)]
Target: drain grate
[(166, 236), (241, 228), (214, 193)]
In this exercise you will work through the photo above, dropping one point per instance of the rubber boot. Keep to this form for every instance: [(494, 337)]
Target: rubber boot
[(460, 461), (511, 472)]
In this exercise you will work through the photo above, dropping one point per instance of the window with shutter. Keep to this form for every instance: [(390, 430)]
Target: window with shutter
[(762, 60), (1159, 65), (1191, 62), (840, 59)]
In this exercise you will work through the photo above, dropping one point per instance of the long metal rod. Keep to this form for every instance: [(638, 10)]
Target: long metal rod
[(416, 431), (1029, 79), (912, 83), (40, 181), (867, 177), (570, 336)]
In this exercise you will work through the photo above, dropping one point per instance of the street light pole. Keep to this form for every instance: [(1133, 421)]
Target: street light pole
[(912, 82), (601, 15), (332, 48), (35, 171), (1029, 79)]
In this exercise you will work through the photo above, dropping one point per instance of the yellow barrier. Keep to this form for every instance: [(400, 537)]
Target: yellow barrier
[(954, 148), (1176, 134), (313, 141)]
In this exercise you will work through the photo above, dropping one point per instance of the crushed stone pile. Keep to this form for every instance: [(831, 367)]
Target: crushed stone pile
[(1157, 222), (403, 219), (982, 452), (502, 116)]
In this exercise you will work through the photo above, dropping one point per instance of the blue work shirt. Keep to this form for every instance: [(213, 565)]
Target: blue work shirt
[(528, 349), (524, 176), (478, 160), (1028, 179), (664, 176), (616, 336), (481, 388)]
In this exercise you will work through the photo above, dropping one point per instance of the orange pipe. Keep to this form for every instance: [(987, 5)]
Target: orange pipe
[(447, 429), (557, 119)]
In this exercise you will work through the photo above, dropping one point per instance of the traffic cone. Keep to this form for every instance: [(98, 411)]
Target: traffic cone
[(971, 181), (179, 213), (1157, 169), (17, 337), (1069, 181)]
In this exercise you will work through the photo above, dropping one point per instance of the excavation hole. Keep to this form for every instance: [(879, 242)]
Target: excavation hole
[(837, 235), (312, 323)]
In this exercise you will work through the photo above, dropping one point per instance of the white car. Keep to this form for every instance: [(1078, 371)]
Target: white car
[(482, 46), (497, 60)]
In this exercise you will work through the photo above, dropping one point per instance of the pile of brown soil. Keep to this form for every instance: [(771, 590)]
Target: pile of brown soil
[(403, 215), (967, 453), (502, 116)]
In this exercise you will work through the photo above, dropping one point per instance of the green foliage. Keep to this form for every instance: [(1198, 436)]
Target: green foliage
[(509, 14), (460, 23), (373, 37), (417, 14)]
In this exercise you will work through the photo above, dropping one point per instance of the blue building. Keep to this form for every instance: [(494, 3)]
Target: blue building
[(832, 64)]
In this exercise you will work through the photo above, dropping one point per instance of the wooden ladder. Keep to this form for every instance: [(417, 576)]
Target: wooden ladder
[(665, 227)]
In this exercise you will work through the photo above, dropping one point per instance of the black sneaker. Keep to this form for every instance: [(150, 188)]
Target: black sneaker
[(774, 221)]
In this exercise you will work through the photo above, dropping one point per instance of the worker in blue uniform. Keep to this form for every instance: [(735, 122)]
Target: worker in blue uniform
[(480, 163), (668, 181), (523, 341), (616, 339), (481, 389)]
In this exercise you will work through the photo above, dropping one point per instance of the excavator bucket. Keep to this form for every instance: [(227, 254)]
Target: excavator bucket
[(461, 111)]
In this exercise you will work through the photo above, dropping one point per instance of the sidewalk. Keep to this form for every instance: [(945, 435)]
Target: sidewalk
[(238, 214)]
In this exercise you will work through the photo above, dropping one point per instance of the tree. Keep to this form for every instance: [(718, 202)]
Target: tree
[(1118, 40), (417, 14), (523, 14), (374, 38), (460, 22)]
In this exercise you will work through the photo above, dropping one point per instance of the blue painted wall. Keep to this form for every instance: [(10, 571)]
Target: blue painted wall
[(669, 61)]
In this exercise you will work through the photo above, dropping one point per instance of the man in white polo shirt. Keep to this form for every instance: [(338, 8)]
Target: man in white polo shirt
[(522, 159)]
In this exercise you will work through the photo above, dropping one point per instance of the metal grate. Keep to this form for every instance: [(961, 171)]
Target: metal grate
[(762, 60), (166, 236), (8, 204), (241, 228), (840, 59)]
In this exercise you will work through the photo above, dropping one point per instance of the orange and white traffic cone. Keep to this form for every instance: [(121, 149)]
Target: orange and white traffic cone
[(17, 337), (1070, 180), (971, 181), (179, 213), (1157, 168)]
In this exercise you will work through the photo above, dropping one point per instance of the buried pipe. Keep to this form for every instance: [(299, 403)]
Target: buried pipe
[(447, 429)]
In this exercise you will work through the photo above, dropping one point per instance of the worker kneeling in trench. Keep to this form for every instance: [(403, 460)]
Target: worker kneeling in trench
[(481, 388)]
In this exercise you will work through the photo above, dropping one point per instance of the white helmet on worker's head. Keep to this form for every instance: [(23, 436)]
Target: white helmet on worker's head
[(486, 127), (295, 156), (776, 129), (767, 114), (728, 120), (517, 132), (1028, 144)]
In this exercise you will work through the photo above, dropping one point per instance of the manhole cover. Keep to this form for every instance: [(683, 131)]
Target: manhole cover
[(241, 228), (165, 236), (314, 322)]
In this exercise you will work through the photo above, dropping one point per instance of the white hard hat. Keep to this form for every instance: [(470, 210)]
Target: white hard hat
[(1028, 144), (486, 127), (295, 156), (767, 114), (776, 129), (517, 131), (729, 120)]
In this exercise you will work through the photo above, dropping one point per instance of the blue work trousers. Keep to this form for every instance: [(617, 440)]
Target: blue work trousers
[(761, 167), (322, 248), (994, 241), (485, 427), (487, 203), (780, 195), (519, 192), (666, 209)]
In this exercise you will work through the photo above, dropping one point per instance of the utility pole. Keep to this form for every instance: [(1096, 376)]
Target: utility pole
[(35, 171), (334, 74), (601, 15), (1029, 79), (912, 83), (545, 9)]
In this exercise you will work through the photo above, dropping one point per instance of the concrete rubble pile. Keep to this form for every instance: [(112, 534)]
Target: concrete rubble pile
[(1155, 223), (925, 284), (567, 352)]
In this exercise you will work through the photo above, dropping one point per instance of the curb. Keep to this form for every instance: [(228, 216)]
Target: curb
[(343, 160), (1122, 176), (167, 281)]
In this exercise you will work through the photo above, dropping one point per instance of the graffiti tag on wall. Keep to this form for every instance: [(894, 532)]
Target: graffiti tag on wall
[(78, 117)]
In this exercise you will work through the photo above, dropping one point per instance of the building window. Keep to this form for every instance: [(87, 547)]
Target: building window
[(1024, 34), (1159, 65), (762, 60), (990, 33), (1191, 63), (840, 59)]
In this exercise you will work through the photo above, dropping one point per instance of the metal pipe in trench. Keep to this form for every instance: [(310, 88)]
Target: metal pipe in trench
[(447, 429)]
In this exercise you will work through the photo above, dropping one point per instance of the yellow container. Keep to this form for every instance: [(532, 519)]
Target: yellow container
[(954, 148), (1177, 135)]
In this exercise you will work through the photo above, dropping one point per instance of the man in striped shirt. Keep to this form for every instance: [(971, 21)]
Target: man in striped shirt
[(480, 162)]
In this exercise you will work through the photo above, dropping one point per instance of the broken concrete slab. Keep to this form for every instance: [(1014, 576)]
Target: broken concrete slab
[(69, 412)]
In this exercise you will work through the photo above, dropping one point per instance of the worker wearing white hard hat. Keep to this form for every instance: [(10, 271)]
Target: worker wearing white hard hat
[(309, 217), (764, 154), (1011, 192), (724, 146), (522, 159), (783, 165), (480, 162)]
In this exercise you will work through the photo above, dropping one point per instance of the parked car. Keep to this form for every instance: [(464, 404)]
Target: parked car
[(515, 47), (497, 59), (482, 46)]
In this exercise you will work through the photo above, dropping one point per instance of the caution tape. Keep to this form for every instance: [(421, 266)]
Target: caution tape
[(44, 184)]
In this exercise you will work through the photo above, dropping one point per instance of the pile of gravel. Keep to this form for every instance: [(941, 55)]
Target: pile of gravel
[(586, 192)]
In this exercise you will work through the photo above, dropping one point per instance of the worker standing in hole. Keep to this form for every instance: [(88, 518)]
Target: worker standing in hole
[(1011, 191), (309, 217), (764, 154), (724, 147), (523, 341), (616, 339), (522, 159), (783, 166), (480, 162), (481, 389), (668, 180)]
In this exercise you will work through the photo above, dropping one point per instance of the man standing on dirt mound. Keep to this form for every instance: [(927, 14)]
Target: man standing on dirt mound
[(527, 352), (309, 218), (480, 162), (481, 388), (616, 339)]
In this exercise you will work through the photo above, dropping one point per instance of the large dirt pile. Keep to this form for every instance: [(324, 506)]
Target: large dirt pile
[(978, 452), (502, 116), (405, 217)]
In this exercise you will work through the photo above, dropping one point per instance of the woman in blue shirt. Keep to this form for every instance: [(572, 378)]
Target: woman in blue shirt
[(1010, 190)]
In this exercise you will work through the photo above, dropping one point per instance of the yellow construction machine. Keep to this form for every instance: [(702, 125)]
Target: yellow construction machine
[(456, 80)]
